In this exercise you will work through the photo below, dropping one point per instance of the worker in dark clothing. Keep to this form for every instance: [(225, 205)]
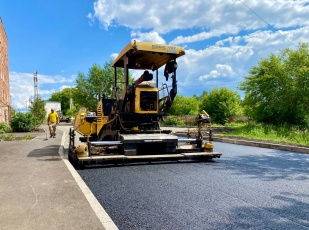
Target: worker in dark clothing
[(146, 76)]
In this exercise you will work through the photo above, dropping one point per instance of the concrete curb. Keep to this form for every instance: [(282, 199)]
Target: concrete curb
[(263, 144)]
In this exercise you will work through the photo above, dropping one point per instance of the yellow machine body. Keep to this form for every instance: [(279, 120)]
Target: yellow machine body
[(102, 119), (126, 126), (208, 147), (81, 125), (134, 104), (146, 100), (82, 151)]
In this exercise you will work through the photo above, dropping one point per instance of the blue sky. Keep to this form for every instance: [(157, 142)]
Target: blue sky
[(223, 39)]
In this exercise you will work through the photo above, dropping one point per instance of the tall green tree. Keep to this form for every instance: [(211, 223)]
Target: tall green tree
[(98, 83), (65, 97), (90, 87), (277, 89), (37, 109), (220, 104)]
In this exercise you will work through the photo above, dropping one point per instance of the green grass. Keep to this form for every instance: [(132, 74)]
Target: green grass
[(282, 133), (27, 137), (12, 137), (7, 137)]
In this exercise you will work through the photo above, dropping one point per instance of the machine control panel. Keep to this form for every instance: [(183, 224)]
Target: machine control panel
[(91, 117)]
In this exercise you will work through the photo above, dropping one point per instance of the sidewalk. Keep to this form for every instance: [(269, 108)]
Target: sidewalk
[(37, 189)]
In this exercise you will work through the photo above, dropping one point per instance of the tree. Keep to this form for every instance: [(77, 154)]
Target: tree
[(64, 97), (90, 87), (220, 104), (37, 108), (71, 112), (97, 84), (277, 90), (185, 106)]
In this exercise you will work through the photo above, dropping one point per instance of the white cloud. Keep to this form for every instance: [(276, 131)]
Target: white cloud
[(103, 13), (226, 70), (148, 37), (114, 56), (164, 17), (64, 87), (221, 70), (22, 87), (45, 79), (202, 36)]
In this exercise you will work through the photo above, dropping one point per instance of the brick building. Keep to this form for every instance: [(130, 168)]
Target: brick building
[(5, 107)]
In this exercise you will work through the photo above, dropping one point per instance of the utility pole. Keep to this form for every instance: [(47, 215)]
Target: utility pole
[(35, 78), (71, 101), (27, 104)]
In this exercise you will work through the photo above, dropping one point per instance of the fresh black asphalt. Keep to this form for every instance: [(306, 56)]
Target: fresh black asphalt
[(247, 188)]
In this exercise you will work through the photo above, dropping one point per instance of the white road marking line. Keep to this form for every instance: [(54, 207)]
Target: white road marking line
[(104, 218)]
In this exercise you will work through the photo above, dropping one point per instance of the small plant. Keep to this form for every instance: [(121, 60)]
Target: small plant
[(173, 120), (7, 137), (27, 137), (236, 124)]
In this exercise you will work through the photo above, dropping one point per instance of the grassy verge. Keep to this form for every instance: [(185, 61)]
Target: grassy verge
[(12, 137), (283, 133)]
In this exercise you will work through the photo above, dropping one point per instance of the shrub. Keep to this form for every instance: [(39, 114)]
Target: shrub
[(4, 127), (173, 120), (23, 122), (190, 120)]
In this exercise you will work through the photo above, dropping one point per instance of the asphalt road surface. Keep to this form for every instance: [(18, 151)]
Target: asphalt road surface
[(247, 188)]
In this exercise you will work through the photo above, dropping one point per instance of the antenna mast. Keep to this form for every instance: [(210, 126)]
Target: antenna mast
[(35, 78)]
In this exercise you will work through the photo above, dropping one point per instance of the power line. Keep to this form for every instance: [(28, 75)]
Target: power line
[(273, 28)]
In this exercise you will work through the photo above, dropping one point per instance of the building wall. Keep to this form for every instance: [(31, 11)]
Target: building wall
[(5, 107)]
